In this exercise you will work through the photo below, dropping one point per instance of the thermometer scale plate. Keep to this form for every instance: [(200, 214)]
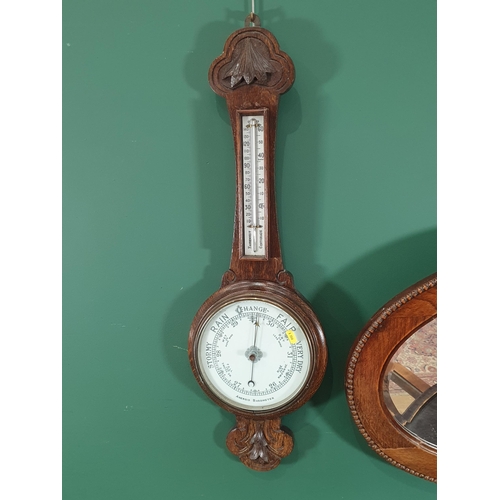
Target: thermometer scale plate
[(254, 187)]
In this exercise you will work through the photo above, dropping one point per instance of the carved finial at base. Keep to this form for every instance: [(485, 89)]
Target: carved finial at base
[(259, 444)]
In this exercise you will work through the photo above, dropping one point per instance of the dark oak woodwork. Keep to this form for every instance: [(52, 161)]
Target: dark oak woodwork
[(266, 73), (259, 444), (291, 302), (251, 74), (368, 360)]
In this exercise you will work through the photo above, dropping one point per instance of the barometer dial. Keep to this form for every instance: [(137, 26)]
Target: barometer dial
[(254, 355)]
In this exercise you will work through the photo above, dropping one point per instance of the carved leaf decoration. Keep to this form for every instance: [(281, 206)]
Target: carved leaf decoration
[(250, 62), (259, 448), (260, 445)]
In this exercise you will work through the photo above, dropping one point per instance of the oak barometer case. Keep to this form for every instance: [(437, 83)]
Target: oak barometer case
[(255, 346)]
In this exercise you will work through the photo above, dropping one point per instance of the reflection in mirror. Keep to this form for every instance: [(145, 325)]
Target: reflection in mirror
[(410, 384)]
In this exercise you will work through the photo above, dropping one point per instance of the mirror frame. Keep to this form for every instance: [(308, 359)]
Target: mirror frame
[(370, 354)]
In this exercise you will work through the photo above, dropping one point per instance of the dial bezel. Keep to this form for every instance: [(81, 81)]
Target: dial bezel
[(291, 303)]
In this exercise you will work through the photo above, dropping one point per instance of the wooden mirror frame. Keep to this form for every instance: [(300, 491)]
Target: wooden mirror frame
[(370, 354)]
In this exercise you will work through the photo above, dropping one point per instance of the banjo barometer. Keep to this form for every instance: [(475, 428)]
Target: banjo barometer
[(255, 346)]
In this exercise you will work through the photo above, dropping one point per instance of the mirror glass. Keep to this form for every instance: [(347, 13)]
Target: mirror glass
[(410, 384)]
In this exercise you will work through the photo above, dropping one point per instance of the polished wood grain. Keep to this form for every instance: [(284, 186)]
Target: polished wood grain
[(367, 363), (253, 95), (259, 444), (251, 74)]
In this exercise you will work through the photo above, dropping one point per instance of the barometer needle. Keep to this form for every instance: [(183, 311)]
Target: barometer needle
[(256, 328), (252, 356)]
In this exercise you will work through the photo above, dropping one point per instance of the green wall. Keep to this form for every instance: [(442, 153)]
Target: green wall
[(148, 210)]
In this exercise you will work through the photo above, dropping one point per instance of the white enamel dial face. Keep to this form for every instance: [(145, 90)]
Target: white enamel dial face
[(254, 239), (254, 355)]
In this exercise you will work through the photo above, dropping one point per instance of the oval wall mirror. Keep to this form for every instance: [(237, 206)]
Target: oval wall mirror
[(391, 380)]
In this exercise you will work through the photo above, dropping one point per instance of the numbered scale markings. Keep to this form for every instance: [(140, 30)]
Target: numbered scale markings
[(254, 355), (253, 185)]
